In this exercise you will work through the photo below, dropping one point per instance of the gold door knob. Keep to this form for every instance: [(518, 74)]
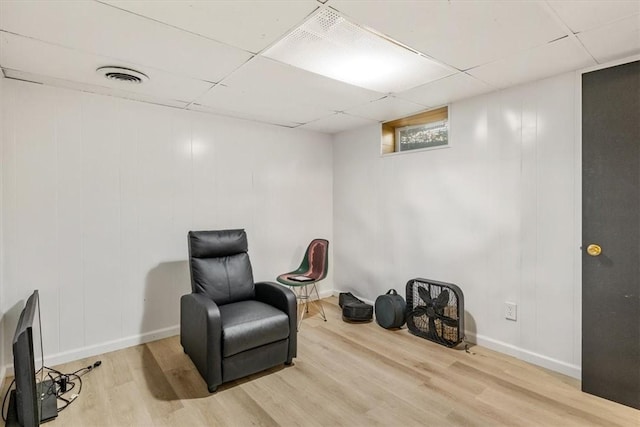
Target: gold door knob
[(594, 250)]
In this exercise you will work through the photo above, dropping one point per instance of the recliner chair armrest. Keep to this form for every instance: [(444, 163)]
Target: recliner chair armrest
[(201, 336), (283, 299), (276, 295)]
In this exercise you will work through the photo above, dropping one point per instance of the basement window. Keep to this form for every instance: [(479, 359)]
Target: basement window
[(426, 130)]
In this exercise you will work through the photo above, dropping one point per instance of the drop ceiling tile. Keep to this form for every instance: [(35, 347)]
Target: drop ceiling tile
[(584, 15), (385, 109), (243, 115), (446, 90), (39, 58), (270, 89), (617, 40), (463, 34), (553, 58), (103, 30), (249, 25), (83, 87), (337, 122), (263, 106)]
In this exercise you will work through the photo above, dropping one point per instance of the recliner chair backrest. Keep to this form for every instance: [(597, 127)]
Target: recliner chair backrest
[(220, 266)]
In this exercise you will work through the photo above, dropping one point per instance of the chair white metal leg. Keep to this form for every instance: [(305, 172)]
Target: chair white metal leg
[(303, 297), (319, 302)]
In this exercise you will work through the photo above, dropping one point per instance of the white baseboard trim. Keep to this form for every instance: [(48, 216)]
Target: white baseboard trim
[(109, 346), (556, 365), (574, 371), (119, 344), (326, 294), (337, 294), (323, 294)]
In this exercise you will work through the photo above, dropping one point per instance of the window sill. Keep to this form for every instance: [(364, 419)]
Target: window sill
[(417, 150)]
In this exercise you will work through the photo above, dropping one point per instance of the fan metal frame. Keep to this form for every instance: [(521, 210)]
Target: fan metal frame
[(449, 336)]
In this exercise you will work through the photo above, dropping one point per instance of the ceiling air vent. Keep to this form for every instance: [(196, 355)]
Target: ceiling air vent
[(121, 74)]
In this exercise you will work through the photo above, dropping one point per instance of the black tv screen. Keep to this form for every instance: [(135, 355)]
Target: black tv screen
[(34, 398)]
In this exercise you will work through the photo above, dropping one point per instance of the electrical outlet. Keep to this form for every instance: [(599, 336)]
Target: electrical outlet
[(510, 310)]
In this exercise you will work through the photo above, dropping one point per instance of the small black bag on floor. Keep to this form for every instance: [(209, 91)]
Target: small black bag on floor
[(354, 309), (357, 312), (347, 297), (391, 310)]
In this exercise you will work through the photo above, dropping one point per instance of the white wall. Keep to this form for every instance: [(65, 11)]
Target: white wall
[(495, 213), (99, 194)]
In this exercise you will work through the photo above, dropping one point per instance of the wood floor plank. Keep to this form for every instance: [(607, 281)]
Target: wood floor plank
[(284, 405), (345, 375)]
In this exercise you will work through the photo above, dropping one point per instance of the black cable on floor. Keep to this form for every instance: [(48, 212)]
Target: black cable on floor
[(66, 383), (4, 400), (61, 384)]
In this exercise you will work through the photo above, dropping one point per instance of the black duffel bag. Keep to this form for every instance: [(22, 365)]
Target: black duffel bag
[(354, 309), (357, 312), (391, 310)]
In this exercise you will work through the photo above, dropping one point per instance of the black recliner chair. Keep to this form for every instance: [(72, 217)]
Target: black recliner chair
[(229, 326)]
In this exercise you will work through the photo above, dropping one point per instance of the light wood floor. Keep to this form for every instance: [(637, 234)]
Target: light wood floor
[(345, 374)]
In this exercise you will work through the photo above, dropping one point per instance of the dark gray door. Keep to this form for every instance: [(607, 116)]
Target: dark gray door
[(611, 221)]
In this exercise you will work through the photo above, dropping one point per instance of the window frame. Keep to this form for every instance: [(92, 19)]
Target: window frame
[(388, 130)]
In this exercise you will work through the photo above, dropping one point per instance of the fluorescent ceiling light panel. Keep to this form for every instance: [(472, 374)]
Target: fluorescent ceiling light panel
[(329, 45)]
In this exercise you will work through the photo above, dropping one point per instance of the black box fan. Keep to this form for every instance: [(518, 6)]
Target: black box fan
[(435, 311)]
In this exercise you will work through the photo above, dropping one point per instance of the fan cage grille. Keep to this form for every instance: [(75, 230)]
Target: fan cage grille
[(420, 325)]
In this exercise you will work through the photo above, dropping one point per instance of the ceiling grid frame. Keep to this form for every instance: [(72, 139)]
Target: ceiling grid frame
[(186, 33)]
